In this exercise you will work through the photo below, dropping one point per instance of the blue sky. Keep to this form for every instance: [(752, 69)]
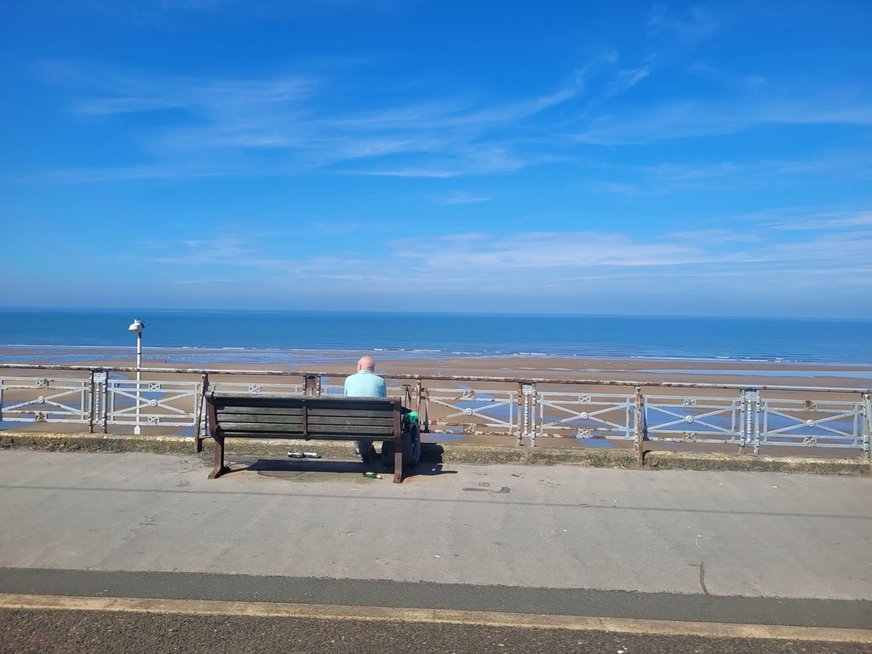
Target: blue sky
[(626, 157)]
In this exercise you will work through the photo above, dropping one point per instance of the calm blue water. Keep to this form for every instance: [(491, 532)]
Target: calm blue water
[(769, 339)]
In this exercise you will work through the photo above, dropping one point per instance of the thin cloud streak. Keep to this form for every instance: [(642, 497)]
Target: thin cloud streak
[(460, 197), (691, 24), (666, 177), (474, 262), (731, 77), (691, 119), (227, 122), (285, 124)]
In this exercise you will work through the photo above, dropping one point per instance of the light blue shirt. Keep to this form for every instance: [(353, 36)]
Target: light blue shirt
[(365, 384)]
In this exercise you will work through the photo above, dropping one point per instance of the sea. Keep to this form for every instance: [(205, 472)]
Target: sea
[(270, 335)]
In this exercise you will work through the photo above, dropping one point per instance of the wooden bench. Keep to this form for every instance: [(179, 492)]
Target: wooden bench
[(323, 418)]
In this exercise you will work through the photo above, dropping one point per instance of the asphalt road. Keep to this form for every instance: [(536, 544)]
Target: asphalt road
[(808, 612), (57, 632), (708, 547)]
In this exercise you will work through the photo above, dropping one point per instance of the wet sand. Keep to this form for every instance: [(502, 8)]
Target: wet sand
[(337, 363)]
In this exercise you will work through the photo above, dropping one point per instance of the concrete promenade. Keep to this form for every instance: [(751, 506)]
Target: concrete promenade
[(728, 548)]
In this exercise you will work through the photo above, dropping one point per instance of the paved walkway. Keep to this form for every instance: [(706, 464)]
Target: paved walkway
[(723, 547)]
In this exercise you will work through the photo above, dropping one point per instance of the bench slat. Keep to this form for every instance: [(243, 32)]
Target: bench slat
[(360, 413), (336, 402), (261, 427), (298, 420), (312, 411), (260, 410), (297, 423), (268, 435)]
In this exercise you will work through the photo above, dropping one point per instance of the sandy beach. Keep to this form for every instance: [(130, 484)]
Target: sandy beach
[(339, 363)]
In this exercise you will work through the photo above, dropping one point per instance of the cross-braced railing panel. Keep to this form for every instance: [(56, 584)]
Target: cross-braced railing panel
[(258, 387), (155, 403), (472, 410), (586, 415), (694, 419), (813, 423), (30, 399)]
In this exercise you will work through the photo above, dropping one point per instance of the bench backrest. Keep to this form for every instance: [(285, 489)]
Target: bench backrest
[(282, 416)]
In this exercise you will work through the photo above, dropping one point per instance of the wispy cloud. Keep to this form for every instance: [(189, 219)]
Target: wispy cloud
[(627, 79), (215, 98), (696, 118), (287, 124), (208, 282), (286, 115), (690, 24), (543, 250), (825, 221), (223, 249), (826, 253), (668, 177), (168, 12), (460, 197), (704, 70)]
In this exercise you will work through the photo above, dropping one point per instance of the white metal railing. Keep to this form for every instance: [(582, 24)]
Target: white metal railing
[(696, 419), (586, 416), (41, 399), (586, 410), (153, 403), (814, 422)]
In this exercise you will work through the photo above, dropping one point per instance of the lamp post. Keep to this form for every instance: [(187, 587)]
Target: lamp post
[(136, 327)]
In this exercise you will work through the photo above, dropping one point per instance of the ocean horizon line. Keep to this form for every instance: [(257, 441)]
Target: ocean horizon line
[(405, 312)]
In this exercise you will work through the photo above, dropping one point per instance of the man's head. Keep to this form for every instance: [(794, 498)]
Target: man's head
[(366, 363)]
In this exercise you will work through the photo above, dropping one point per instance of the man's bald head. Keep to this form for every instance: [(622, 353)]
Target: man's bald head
[(366, 363)]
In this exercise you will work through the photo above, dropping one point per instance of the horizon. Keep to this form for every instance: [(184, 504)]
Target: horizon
[(705, 159), (141, 312)]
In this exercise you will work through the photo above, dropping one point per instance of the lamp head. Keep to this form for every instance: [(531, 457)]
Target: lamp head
[(136, 326)]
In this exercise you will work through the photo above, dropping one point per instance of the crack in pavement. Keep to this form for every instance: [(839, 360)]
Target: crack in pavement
[(702, 577)]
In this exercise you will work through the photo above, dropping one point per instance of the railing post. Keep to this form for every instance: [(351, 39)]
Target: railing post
[(419, 398), (105, 398), (424, 399), (757, 411), (92, 404), (199, 403), (867, 426), (639, 443), (527, 412), (746, 420)]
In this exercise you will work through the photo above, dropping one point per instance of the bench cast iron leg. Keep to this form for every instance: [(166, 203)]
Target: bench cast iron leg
[(398, 464), (219, 468)]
